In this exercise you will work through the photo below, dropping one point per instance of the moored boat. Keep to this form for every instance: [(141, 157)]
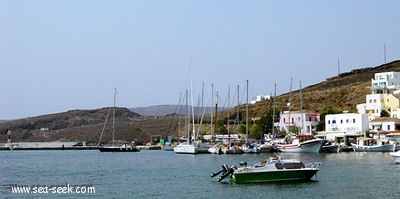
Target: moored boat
[(275, 169), (396, 156), (373, 145), (186, 148), (113, 148), (123, 148), (330, 148), (216, 149), (302, 144), (251, 148)]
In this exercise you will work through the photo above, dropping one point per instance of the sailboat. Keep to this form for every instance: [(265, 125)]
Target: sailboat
[(188, 147), (113, 148), (301, 143)]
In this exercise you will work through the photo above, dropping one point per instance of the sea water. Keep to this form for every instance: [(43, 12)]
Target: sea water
[(164, 174)]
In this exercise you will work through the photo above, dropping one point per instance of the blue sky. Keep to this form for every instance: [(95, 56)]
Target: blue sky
[(62, 55)]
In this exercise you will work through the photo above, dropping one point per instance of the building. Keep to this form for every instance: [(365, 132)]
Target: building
[(306, 122), (345, 124), (385, 89), (385, 124), (385, 83), (259, 98)]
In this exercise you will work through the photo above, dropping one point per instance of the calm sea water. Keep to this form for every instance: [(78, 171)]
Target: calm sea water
[(161, 174)]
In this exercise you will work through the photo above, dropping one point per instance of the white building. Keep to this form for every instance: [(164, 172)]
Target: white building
[(306, 122), (384, 95), (345, 124), (384, 124), (259, 98), (385, 83)]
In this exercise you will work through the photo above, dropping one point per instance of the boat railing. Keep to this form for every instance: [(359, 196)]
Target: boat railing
[(313, 165)]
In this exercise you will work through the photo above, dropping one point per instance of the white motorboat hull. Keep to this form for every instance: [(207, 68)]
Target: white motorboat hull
[(383, 148), (395, 154), (310, 146)]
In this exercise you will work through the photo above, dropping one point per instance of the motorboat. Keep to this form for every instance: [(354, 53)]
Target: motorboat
[(216, 149), (395, 154), (274, 169), (302, 144), (330, 148), (373, 145), (251, 148), (232, 150)]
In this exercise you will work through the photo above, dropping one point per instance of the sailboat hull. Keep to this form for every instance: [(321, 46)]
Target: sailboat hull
[(186, 149), (118, 149)]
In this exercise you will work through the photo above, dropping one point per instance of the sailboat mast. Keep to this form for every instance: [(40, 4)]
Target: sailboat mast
[(187, 118), (227, 117), (290, 101), (238, 107), (301, 109), (211, 112), (113, 123), (216, 113), (247, 110), (273, 116), (191, 98)]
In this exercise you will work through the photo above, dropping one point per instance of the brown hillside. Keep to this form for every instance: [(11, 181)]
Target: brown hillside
[(342, 92), (86, 125)]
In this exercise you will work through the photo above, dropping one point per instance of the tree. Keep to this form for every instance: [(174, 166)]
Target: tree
[(221, 129), (264, 125)]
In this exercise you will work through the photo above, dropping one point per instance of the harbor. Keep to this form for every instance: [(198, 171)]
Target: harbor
[(160, 174)]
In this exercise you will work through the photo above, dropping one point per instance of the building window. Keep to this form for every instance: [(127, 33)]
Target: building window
[(341, 121), (354, 120), (333, 121), (329, 122), (388, 127), (347, 121)]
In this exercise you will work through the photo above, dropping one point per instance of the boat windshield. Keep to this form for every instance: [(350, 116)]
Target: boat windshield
[(291, 165)]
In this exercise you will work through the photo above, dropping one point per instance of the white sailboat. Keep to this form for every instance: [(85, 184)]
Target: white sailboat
[(188, 147)]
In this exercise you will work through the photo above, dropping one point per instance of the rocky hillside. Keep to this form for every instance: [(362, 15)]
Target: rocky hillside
[(87, 125), (342, 92)]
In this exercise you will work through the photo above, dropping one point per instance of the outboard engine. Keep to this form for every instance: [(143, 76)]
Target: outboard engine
[(226, 171), (226, 174)]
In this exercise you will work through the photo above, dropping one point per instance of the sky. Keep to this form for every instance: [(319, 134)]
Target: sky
[(63, 55)]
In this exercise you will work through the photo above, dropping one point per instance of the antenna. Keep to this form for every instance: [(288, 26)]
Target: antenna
[(384, 52), (338, 67)]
